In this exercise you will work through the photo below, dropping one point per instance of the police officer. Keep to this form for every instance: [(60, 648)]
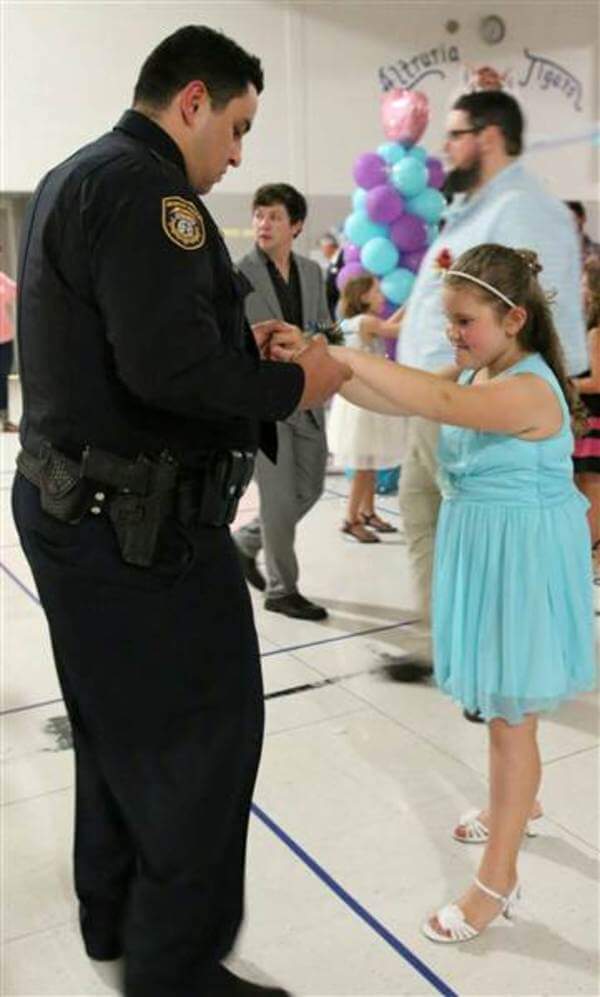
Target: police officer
[(145, 399)]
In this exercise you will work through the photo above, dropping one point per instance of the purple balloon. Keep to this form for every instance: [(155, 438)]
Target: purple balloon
[(409, 233), (387, 309), (391, 346), (412, 261), (384, 204), (370, 170), (435, 173), (347, 272), (351, 253)]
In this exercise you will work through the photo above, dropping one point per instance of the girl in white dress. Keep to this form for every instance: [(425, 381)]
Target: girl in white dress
[(361, 440)]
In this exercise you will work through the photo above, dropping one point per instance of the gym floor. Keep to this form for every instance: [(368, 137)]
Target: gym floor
[(361, 782)]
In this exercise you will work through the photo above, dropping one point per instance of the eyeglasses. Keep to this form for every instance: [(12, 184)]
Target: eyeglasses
[(455, 133)]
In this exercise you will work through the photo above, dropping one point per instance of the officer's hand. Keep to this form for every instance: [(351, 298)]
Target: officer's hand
[(287, 341), (263, 332), (323, 375), (277, 340)]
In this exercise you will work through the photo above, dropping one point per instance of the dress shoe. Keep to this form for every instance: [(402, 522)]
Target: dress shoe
[(474, 717), (407, 668), (215, 982), (221, 982), (251, 572), (297, 606)]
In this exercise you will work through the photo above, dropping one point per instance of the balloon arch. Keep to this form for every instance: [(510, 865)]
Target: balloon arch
[(397, 204)]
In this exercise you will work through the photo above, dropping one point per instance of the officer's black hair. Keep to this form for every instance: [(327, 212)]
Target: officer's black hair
[(282, 193), (197, 53), (494, 107)]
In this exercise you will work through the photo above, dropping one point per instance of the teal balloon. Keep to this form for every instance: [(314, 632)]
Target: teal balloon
[(359, 228), (379, 256), (432, 233), (392, 152), (397, 285), (418, 152), (428, 205), (359, 199), (410, 176)]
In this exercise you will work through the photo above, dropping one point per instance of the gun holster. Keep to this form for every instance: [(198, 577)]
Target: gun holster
[(213, 501), (139, 494), (64, 494)]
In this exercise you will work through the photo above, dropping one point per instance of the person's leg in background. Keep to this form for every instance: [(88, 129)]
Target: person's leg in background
[(6, 361), (310, 456), (288, 490), (360, 500), (248, 540), (589, 485), (420, 500)]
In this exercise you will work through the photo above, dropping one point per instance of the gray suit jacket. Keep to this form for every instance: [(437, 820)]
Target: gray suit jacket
[(262, 303)]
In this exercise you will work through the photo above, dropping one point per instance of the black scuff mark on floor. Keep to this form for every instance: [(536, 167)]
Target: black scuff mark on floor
[(59, 729)]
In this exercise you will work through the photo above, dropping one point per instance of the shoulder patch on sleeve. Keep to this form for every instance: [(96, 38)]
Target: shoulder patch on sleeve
[(183, 223)]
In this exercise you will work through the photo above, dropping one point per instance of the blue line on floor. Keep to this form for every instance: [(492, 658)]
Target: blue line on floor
[(18, 582), (331, 640), (32, 706), (354, 905)]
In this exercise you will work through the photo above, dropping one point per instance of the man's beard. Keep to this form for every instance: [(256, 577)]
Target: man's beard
[(466, 179)]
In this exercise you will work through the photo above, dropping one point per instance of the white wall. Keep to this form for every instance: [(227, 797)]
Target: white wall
[(68, 70)]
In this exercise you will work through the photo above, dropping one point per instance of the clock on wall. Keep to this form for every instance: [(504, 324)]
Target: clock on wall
[(492, 29)]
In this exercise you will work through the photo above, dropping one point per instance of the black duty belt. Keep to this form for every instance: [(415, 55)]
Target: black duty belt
[(138, 494)]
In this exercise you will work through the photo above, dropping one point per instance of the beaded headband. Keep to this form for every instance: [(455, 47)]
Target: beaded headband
[(482, 283)]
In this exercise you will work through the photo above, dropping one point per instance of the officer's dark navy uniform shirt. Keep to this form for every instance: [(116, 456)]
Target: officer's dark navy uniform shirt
[(131, 325)]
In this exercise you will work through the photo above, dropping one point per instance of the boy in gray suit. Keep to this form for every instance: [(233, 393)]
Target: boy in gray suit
[(290, 287)]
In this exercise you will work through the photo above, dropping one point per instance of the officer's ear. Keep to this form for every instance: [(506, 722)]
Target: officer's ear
[(194, 99), (297, 228)]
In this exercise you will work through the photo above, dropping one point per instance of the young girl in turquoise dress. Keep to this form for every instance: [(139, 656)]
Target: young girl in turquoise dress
[(513, 596)]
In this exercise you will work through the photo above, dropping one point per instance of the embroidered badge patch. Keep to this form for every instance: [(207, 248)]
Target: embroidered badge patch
[(183, 223)]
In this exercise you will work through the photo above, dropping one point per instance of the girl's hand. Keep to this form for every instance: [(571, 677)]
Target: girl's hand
[(342, 353)]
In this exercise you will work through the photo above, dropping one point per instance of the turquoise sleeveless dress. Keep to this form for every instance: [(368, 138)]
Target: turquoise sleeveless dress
[(513, 618)]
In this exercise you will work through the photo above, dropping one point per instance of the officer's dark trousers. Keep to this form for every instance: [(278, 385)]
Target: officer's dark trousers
[(160, 674)]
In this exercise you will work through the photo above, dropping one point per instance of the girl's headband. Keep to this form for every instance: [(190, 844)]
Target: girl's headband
[(482, 283)]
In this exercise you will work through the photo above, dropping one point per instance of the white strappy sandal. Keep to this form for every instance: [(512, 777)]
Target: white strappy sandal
[(476, 832), (453, 921)]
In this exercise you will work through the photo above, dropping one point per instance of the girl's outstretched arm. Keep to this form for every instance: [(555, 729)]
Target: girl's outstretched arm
[(360, 394), (371, 326), (363, 395), (523, 405)]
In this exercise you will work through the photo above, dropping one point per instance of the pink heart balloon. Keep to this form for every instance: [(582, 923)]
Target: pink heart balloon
[(405, 115)]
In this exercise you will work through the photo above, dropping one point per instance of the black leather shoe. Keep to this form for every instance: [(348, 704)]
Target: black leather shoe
[(407, 668), (223, 983), (251, 572), (474, 718), (297, 606)]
